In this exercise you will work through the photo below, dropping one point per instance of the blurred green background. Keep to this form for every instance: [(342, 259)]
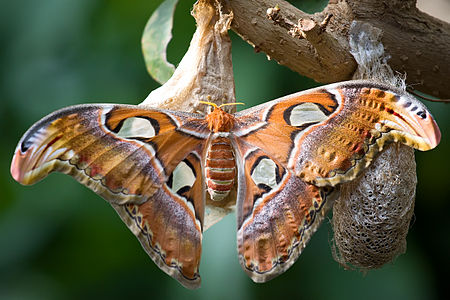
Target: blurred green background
[(58, 240)]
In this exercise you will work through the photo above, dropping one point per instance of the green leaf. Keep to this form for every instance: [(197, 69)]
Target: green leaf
[(156, 37)]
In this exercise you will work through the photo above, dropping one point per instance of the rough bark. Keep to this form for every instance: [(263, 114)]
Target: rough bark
[(418, 44)]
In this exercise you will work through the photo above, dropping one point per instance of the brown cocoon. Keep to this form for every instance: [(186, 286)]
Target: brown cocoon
[(372, 216)]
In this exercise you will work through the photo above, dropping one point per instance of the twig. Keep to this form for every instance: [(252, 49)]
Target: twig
[(300, 29), (413, 91)]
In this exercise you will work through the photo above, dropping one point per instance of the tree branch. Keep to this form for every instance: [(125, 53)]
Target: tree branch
[(417, 43)]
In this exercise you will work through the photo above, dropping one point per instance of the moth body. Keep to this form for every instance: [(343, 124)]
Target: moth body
[(220, 168)]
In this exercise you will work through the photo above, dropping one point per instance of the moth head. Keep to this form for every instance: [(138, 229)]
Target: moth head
[(219, 120)]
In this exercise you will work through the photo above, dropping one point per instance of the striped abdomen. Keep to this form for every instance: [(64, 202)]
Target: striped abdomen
[(220, 168)]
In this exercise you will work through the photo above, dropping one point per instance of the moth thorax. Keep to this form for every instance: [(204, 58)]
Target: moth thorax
[(220, 168), (219, 120)]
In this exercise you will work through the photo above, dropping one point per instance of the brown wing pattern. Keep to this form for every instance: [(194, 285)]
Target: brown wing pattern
[(277, 214), (370, 117), (310, 142), (274, 126), (169, 228), (130, 156), (331, 134)]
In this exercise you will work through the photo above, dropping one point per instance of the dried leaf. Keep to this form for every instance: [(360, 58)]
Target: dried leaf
[(156, 37)]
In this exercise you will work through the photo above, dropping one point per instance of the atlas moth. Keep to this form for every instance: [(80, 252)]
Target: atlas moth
[(285, 158)]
